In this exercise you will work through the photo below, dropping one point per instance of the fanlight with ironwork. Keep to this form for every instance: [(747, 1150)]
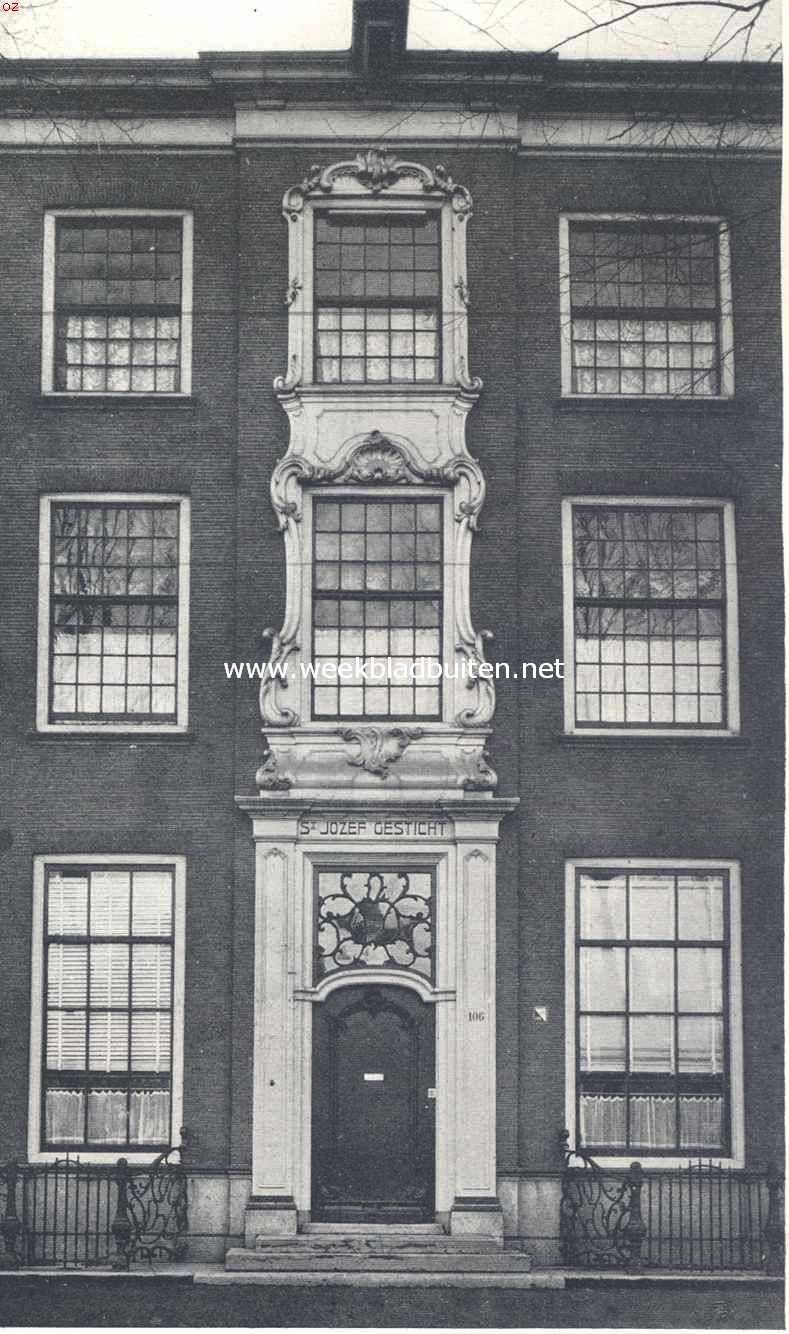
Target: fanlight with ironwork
[(374, 919)]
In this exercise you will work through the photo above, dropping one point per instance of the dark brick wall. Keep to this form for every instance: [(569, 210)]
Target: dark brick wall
[(594, 798)]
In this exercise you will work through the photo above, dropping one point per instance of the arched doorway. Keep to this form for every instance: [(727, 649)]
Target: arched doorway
[(373, 1108)]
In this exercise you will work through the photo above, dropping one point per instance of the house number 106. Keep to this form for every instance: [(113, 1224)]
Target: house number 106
[(476, 1016)]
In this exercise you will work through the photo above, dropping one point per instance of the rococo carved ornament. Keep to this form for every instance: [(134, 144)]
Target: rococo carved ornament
[(378, 747), (377, 460), (480, 776), (376, 171), (282, 645), (269, 777), (472, 645)]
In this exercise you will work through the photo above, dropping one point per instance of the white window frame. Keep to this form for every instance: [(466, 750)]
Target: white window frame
[(40, 863), (731, 649), (49, 311), (92, 725), (725, 331), (736, 1076), (344, 187)]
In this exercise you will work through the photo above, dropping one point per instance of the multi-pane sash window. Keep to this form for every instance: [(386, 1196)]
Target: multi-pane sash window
[(377, 608), (645, 308), (108, 1007), (377, 298), (652, 1016), (649, 601), (113, 611), (118, 304)]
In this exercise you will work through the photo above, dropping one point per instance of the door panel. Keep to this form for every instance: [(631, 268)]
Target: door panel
[(373, 1129)]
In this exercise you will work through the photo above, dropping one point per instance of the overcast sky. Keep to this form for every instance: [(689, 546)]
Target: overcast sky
[(184, 27)]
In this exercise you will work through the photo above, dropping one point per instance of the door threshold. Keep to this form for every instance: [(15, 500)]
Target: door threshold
[(369, 1229)]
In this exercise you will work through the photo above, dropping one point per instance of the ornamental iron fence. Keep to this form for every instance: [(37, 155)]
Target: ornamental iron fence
[(702, 1217), (71, 1215)]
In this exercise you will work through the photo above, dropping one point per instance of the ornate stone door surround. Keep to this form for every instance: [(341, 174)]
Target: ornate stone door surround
[(459, 840)]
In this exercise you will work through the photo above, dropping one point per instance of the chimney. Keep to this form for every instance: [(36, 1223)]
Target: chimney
[(379, 37)]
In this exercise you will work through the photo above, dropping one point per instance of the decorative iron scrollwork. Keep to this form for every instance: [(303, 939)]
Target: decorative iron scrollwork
[(375, 919)]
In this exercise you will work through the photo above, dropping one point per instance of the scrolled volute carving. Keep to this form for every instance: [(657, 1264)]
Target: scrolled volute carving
[(378, 748), (377, 171), (272, 713), (482, 711)]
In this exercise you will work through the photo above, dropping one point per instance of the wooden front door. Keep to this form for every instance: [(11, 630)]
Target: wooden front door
[(373, 1126)]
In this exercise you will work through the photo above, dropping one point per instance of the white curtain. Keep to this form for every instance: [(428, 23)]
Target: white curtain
[(701, 1123), (64, 1116), (149, 1117), (107, 1116), (602, 1120), (652, 1122)]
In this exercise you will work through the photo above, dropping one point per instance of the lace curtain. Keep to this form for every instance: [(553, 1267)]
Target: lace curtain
[(149, 1116)]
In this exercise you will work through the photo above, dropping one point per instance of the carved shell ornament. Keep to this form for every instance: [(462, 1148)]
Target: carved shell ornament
[(377, 171), (377, 460), (378, 748)]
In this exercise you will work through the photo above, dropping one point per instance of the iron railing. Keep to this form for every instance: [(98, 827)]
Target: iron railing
[(701, 1217), (69, 1214)]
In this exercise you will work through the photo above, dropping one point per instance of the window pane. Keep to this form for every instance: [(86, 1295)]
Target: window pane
[(602, 1043), (700, 979), (67, 904), (701, 1045), (152, 903), (652, 1044), (652, 907), (602, 978), (603, 908), (109, 903), (651, 979), (700, 907)]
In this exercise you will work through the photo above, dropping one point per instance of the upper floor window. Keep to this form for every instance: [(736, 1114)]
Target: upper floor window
[(377, 288), (650, 616), (113, 608), (646, 307), (377, 601), (655, 1020), (108, 985), (377, 298), (117, 303)]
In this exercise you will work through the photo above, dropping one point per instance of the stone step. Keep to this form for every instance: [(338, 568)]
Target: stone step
[(372, 1229), (504, 1262), (377, 1244)]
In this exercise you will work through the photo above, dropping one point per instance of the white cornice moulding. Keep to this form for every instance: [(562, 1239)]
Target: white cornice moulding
[(555, 131), (125, 131), (448, 126), (414, 123)]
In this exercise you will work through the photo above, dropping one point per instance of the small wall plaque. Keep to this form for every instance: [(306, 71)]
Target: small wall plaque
[(370, 1078)]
